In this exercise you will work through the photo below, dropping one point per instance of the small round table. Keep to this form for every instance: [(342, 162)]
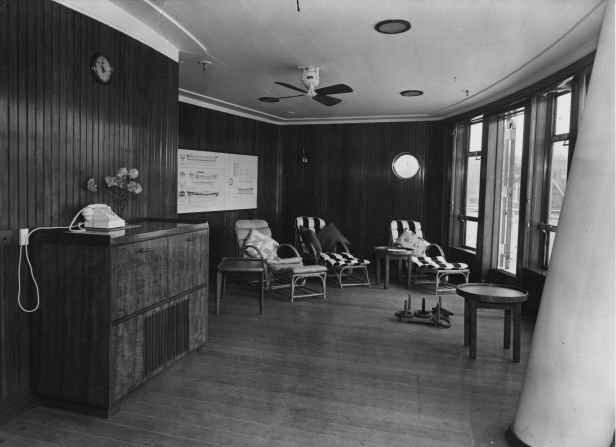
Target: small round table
[(389, 254), (492, 296)]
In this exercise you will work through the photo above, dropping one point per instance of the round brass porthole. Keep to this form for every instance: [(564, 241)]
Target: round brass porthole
[(405, 165)]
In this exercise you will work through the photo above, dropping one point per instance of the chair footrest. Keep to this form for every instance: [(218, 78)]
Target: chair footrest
[(300, 273), (450, 271), (299, 270)]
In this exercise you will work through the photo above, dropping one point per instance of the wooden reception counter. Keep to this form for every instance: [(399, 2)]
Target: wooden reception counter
[(116, 307)]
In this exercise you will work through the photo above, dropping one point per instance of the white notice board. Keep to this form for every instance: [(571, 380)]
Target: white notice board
[(215, 181)]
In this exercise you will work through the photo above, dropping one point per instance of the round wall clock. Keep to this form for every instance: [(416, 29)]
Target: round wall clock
[(101, 68)]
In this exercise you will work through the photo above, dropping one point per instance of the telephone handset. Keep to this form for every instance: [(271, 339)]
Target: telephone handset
[(99, 215)]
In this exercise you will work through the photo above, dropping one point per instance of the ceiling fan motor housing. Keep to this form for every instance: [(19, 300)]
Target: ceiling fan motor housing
[(310, 78)]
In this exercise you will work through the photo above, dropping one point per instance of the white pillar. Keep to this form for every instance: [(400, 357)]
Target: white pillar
[(567, 398)]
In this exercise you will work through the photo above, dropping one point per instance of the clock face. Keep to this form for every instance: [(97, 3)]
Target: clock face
[(101, 68)]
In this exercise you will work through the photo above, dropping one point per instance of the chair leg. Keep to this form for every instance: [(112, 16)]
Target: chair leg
[(301, 280), (345, 271), (339, 276), (262, 285), (367, 276), (324, 279)]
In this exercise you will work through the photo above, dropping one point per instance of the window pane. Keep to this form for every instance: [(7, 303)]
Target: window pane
[(475, 138), (563, 114), (470, 236), (551, 235), (558, 180), (473, 168), (512, 144)]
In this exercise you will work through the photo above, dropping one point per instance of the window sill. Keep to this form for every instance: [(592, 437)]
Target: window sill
[(504, 273), (537, 271), (465, 250)]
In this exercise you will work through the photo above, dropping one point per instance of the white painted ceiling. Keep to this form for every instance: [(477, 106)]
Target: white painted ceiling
[(461, 53)]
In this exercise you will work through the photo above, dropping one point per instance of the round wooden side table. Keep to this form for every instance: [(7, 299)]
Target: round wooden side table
[(492, 296)]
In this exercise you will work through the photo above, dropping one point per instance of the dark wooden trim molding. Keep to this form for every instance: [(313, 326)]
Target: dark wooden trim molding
[(16, 405)]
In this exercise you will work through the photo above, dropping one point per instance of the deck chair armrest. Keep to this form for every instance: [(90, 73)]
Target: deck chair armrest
[(243, 252), (289, 249), (437, 247), (311, 249)]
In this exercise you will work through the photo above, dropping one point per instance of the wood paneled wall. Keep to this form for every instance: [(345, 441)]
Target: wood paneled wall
[(349, 180), (210, 130), (58, 127)]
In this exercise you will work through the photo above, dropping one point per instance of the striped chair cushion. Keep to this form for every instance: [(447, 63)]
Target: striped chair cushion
[(397, 227), (316, 224), (342, 259), (437, 263)]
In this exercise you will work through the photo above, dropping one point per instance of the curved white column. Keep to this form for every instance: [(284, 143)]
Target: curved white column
[(567, 398)]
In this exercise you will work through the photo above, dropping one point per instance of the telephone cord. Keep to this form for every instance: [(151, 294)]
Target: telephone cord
[(21, 249)]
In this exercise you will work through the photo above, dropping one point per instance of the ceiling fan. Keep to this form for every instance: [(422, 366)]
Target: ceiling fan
[(310, 78)]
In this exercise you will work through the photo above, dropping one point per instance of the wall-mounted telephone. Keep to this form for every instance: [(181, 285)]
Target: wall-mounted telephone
[(96, 215), (99, 215)]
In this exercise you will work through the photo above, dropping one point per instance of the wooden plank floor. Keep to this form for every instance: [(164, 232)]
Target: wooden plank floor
[(339, 372)]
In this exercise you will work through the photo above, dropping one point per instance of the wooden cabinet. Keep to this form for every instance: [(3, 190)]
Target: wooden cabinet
[(116, 309), (187, 268), (138, 276)]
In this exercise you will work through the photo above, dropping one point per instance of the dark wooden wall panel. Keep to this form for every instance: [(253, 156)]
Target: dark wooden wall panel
[(58, 127), (210, 130), (349, 180)]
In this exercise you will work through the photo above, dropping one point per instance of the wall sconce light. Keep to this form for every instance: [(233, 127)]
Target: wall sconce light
[(405, 165), (303, 157)]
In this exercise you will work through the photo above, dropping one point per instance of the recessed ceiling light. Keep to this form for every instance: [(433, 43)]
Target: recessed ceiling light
[(268, 99), (394, 26), (411, 93)]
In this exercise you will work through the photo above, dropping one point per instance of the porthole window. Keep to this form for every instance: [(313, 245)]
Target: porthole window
[(405, 165)]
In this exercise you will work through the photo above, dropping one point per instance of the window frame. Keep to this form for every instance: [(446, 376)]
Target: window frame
[(576, 85), (495, 150), (459, 190), (548, 230), (530, 236)]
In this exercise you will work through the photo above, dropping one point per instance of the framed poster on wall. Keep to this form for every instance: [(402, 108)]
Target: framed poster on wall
[(216, 181)]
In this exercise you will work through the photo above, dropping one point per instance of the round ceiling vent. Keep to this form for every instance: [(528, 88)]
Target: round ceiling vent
[(268, 99), (393, 26), (411, 93)]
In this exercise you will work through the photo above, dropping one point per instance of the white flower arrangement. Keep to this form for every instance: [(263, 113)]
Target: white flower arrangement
[(119, 187)]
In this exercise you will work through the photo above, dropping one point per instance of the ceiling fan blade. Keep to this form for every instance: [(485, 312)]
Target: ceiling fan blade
[(292, 96), (292, 87), (334, 89), (327, 100)]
